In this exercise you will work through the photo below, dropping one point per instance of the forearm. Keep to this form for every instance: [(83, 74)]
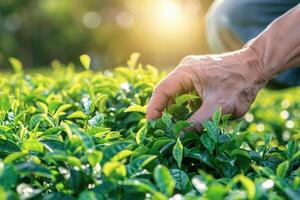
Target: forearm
[(279, 45)]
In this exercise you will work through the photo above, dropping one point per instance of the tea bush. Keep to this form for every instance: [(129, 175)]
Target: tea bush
[(83, 135)]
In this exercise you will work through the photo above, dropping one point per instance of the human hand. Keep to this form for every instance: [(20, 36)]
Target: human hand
[(230, 81)]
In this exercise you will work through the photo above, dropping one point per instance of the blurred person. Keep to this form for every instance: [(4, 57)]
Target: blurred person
[(271, 31)]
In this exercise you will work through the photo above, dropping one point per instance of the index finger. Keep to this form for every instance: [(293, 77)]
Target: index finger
[(167, 89)]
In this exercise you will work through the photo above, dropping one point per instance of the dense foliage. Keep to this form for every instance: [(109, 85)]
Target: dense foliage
[(84, 136), (32, 29)]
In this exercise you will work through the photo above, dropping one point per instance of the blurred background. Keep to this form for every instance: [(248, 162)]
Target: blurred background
[(163, 31)]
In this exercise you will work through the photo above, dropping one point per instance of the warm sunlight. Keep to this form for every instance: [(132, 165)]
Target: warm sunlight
[(168, 15), (169, 12), (166, 27)]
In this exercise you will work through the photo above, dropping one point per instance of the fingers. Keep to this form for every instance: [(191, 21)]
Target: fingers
[(170, 102), (207, 109), (205, 112), (163, 95), (157, 103)]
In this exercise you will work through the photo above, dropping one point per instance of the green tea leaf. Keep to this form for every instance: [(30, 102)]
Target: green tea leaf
[(139, 185), (121, 155), (282, 169), (202, 156), (291, 149), (42, 106), (8, 147), (159, 132), (33, 145), (212, 130), (85, 61), (164, 180), (4, 102), (242, 159), (3, 194), (77, 115), (99, 100), (60, 111), (166, 147), (91, 90), (138, 163), (267, 138), (180, 125), (114, 170), (217, 117), (30, 169), (14, 156), (113, 149), (224, 120), (247, 183), (8, 176), (216, 192), (74, 161), (97, 120), (140, 135), (182, 180), (167, 119), (208, 143), (132, 62), (87, 195), (94, 157), (52, 145), (185, 98), (61, 156), (53, 131), (159, 144), (178, 152), (292, 194), (240, 152), (16, 64), (136, 108)]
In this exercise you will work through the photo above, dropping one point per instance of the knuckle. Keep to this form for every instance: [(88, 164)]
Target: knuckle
[(187, 60), (156, 90), (196, 124), (249, 94), (160, 88), (240, 109), (227, 107), (180, 74), (192, 59)]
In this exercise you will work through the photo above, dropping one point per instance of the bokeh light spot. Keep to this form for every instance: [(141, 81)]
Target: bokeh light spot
[(285, 103), (260, 127), (284, 114), (268, 184), (12, 22), (290, 124), (125, 19), (91, 19), (249, 117)]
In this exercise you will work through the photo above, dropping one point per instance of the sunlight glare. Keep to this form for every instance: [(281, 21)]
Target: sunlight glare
[(170, 11)]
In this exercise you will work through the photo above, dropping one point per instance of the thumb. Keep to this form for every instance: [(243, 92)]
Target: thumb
[(163, 94), (205, 112)]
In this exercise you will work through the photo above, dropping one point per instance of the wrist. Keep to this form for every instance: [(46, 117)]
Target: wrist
[(260, 46), (253, 66), (277, 50)]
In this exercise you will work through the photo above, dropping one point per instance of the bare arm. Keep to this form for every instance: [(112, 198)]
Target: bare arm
[(232, 80), (279, 44)]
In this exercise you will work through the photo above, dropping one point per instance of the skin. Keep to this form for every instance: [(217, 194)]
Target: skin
[(232, 80)]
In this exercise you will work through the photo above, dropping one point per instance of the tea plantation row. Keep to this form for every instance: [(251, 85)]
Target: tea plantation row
[(83, 135)]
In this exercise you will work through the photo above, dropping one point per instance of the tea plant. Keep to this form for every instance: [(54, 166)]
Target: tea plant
[(83, 135)]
